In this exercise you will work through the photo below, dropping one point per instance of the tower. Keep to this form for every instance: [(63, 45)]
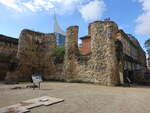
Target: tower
[(60, 34)]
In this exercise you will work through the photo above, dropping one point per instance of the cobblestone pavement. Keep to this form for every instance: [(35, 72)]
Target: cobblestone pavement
[(81, 98)]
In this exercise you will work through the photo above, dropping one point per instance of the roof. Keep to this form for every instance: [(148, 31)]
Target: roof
[(87, 36), (127, 37), (132, 40)]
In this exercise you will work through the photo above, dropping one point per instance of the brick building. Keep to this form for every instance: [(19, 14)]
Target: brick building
[(86, 45), (86, 42)]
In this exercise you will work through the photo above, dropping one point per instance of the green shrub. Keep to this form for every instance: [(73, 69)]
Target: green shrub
[(59, 51)]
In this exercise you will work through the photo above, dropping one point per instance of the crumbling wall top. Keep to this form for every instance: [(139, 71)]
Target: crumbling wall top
[(8, 39), (71, 27), (27, 31)]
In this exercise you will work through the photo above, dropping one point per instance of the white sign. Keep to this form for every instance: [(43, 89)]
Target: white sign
[(36, 78)]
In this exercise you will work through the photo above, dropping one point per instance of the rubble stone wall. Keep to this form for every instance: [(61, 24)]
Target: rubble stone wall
[(103, 66), (104, 52), (71, 53), (35, 52), (8, 46), (8, 50), (3, 69)]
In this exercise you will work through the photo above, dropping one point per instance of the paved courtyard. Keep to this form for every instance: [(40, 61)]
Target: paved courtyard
[(81, 98)]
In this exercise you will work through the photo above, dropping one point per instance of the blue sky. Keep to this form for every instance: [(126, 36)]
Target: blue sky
[(133, 16)]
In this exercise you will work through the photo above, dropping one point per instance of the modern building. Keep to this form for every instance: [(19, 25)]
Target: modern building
[(60, 34)]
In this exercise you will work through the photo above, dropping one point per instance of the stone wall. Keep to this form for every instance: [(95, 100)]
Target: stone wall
[(71, 52), (8, 45), (35, 51), (103, 66), (3, 69), (103, 51), (8, 50)]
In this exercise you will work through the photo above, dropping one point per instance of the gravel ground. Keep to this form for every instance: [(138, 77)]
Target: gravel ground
[(81, 98)]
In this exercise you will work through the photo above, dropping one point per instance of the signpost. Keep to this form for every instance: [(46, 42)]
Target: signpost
[(37, 79)]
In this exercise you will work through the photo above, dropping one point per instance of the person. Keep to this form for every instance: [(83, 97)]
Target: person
[(128, 78)]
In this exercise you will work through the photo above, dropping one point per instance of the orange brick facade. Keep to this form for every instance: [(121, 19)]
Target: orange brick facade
[(86, 45)]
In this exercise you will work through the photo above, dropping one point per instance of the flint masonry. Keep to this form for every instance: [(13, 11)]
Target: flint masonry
[(111, 53)]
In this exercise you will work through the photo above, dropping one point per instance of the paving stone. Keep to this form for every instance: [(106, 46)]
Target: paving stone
[(24, 106)]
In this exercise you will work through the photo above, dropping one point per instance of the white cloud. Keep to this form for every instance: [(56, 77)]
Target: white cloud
[(143, 26), (11, 4), (35, 5), (89, 9), (67, 6), (61, 6), (93, 10), (32, 5)]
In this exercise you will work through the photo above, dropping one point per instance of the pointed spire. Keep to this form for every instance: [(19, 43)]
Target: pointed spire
[(57, 28)]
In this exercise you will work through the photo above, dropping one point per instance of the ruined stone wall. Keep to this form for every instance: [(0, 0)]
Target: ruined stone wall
[(3, 70), (8, 50), (8, 46), (71, 53), (89, 29), (103, 51), (102, 67), (35, 52)]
